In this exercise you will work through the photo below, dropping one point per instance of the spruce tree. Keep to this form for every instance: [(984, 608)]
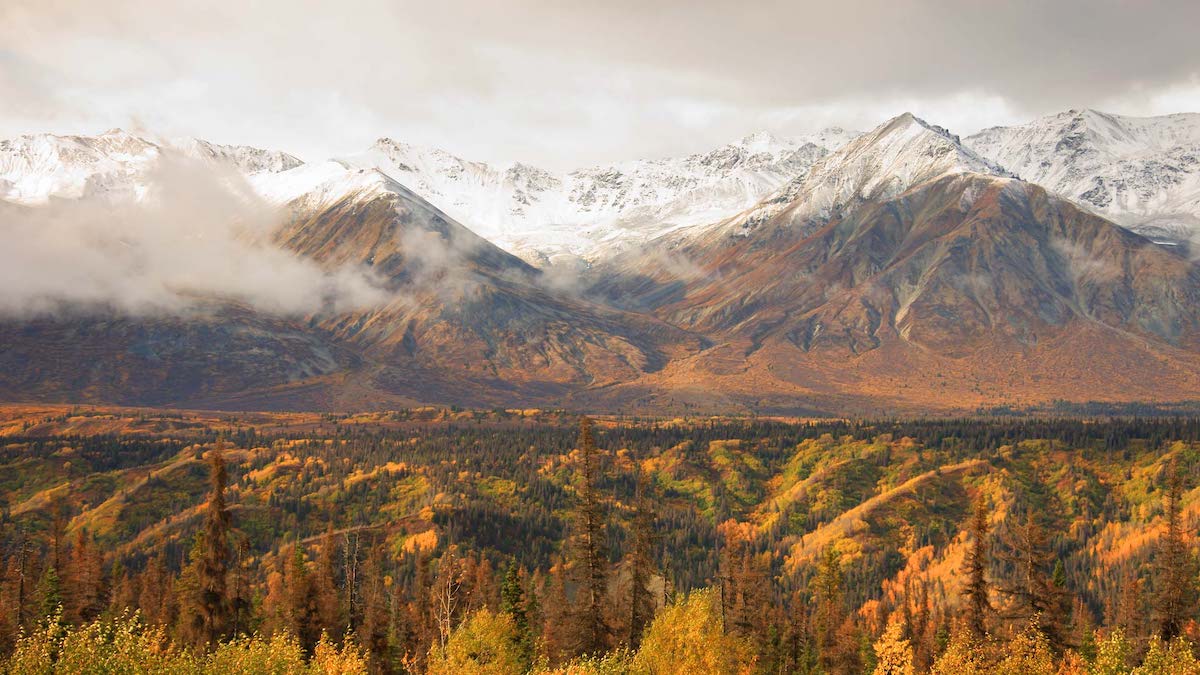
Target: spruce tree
[(978, 602), (512, 602), (299, 598), (1175, 592), (590, 629), (213, 568), (328, 606), (827, 587), (744, 584), (49, 592), (373, 632), (1038, 600), (85, 581), (641, 564)]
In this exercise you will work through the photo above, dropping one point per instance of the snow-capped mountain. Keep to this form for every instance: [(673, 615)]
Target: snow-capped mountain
[(879, 164), (1141, 172), (539, 215), (542, 215), (843, 273), (37, 167), (905, 252)]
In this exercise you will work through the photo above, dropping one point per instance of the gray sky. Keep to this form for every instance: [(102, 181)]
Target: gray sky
[(567, 83)]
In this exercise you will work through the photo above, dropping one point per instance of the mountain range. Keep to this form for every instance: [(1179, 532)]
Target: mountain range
[(1141, 173), (903, 269)]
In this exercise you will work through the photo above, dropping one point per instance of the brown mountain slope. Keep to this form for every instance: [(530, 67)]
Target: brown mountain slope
[(461, 322), (963, 289), (466, 322), (205, 356)]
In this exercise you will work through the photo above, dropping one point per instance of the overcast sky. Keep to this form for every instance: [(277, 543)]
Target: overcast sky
[(565, 83)]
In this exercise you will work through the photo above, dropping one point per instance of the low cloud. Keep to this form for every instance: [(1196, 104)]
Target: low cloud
[(441, 262), (197, 232)]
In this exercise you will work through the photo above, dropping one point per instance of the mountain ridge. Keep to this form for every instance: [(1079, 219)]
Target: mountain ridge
[(1141, 172), (902, 254), (589, 212)]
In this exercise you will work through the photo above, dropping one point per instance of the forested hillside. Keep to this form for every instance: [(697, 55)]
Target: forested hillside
[(448, 541)]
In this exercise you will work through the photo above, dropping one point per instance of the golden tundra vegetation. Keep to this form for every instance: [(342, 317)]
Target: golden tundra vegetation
[(437, 540)]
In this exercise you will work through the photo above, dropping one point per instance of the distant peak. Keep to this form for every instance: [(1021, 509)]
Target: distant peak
[(119, 134), (761, 138), (908, 124), (907, 119), (1083, 114)]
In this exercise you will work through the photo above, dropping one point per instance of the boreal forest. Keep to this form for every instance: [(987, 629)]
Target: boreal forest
[(436, 540)]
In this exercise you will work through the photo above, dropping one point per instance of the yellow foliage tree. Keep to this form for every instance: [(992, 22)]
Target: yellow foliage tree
[(1072, 664), (329, 659), (893, 651), (963, 656), (689, 637), (1174, 658), (1028, 654), (485, 644), (1112, 654), (617, 662), (126, 645)]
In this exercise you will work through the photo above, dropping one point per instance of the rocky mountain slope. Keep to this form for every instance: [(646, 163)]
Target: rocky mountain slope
[(903, 255), (1140, 172)]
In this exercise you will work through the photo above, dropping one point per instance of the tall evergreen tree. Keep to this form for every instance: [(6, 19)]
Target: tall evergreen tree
[(84, 584), (590, 630), (976, 591), (373, 631), (240, 599), (213, 567), (1038, 600), (49, 593), (300, 601), (641, 564), (512, 602), (1175, 582), (556, 637), (828, 619), (327, 604), (744, 584)]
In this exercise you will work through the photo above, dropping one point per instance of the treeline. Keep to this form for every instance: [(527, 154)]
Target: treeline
[(612, 574)]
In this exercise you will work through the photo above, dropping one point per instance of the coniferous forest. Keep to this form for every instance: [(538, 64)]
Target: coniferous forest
[(454, 541)]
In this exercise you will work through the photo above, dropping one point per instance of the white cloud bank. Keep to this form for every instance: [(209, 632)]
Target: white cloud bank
[(198, 233)]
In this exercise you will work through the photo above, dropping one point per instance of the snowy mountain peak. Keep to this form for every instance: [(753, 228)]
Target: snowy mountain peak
[(248, 160), (545, 215), (321, 183), (910, 149), (1141, 172), (896, 155), (115, 164), (765, 141), (909, 123)]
